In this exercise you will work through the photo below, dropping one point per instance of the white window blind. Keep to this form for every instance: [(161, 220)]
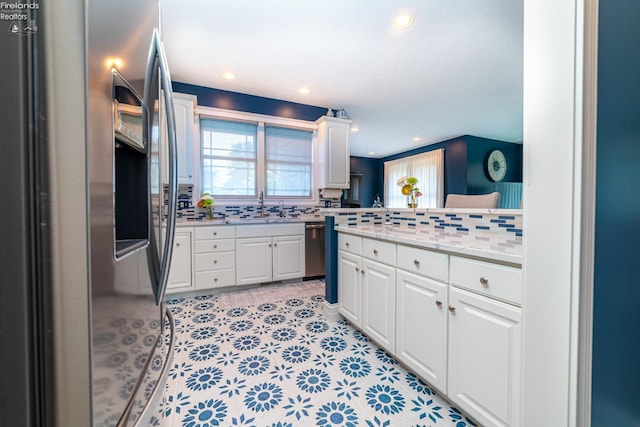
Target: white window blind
[(288, 162), (428, 168), (228, 157)]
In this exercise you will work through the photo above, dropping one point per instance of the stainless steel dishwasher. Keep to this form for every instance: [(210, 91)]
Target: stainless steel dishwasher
[(314, 249)]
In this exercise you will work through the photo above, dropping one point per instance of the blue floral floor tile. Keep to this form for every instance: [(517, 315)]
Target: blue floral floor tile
[(284, 365)]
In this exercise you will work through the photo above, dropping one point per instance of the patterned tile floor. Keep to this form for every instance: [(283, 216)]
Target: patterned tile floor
[(283, 364)]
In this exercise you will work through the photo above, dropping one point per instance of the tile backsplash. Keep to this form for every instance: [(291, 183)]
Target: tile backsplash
[(189, 212), (499, 222)]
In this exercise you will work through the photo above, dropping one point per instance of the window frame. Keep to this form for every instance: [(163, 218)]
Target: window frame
[(261, 120)]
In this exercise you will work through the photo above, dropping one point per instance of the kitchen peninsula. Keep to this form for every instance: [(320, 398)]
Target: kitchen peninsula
[(439, 289)]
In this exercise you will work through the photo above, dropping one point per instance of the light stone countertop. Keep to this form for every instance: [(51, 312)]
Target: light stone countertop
[(247, 221), (502, 247)]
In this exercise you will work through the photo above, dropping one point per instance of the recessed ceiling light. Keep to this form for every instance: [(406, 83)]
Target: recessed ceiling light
[(113, 63), (416, 139), (303, 90), (228, 75), (402, 21), (371, 153), (355, 129)]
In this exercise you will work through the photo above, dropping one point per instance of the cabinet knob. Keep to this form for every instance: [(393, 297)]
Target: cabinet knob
[(215, 261), (215, 246), (215, 233), (215, 279), (375, 252), (484, 281), (177, 244), (269, 244), (346, 244), (357, 269), (439, 303), (275, 244), (362, 271), (416, 263), (452, 309)]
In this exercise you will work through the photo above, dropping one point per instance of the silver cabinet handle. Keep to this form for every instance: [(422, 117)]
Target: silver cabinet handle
[(484, 281), (375, 252), (439, 303), (452, 309), (416, 263)]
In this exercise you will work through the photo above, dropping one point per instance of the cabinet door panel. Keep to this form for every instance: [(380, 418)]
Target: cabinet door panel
[(421, 327), (484, 357), (288, 257), (350, 286), (379, 303), (180, 270), (253, 260)]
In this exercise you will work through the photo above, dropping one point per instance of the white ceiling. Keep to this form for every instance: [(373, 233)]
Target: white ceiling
[(456, 71)]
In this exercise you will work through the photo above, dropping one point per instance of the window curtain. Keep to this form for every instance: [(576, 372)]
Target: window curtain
[(428, 168)]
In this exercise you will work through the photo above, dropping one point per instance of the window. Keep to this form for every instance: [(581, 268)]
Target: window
[(288, 162), (427, 167), (228, 158), (242, 159)]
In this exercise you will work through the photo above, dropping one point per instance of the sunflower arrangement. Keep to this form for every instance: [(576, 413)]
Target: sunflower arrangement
[(408, 185), (206, 203)]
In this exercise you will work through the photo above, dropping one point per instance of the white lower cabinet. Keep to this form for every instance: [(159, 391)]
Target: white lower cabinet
[(215, 261), (288, 257), (267, 259), (455, 321), (379, 303), (180, 272), (484, 357), (254, 260), (421, 327), (350, 287)]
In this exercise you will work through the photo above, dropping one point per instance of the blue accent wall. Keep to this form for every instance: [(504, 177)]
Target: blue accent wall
[(465, 160), (478, 149), (616, 321), (369, 169), (217, 98)]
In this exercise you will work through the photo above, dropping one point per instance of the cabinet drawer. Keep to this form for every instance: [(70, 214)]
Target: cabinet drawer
[(494, 280), (215, 261), (380, 251), (221, 245), (349, 243), (423, 262), (219, 232), (216, 278)]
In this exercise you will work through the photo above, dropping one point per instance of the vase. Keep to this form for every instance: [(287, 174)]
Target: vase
[(412, 205), (209, 213)]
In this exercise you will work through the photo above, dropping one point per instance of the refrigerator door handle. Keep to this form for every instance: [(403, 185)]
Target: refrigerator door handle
[(158, 58)]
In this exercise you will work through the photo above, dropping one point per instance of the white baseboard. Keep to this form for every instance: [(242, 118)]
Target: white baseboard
[(330, 312)]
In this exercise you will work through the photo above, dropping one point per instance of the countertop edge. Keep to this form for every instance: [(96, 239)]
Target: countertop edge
[(427, 244)]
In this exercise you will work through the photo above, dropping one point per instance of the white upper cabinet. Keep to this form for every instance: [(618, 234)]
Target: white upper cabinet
[(333, 152), (184, 108)]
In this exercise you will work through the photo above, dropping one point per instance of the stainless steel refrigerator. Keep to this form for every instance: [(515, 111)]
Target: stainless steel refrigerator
[(89, 178)]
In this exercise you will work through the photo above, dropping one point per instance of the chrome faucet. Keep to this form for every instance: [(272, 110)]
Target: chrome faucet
[(283, 213), (261, 201)]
